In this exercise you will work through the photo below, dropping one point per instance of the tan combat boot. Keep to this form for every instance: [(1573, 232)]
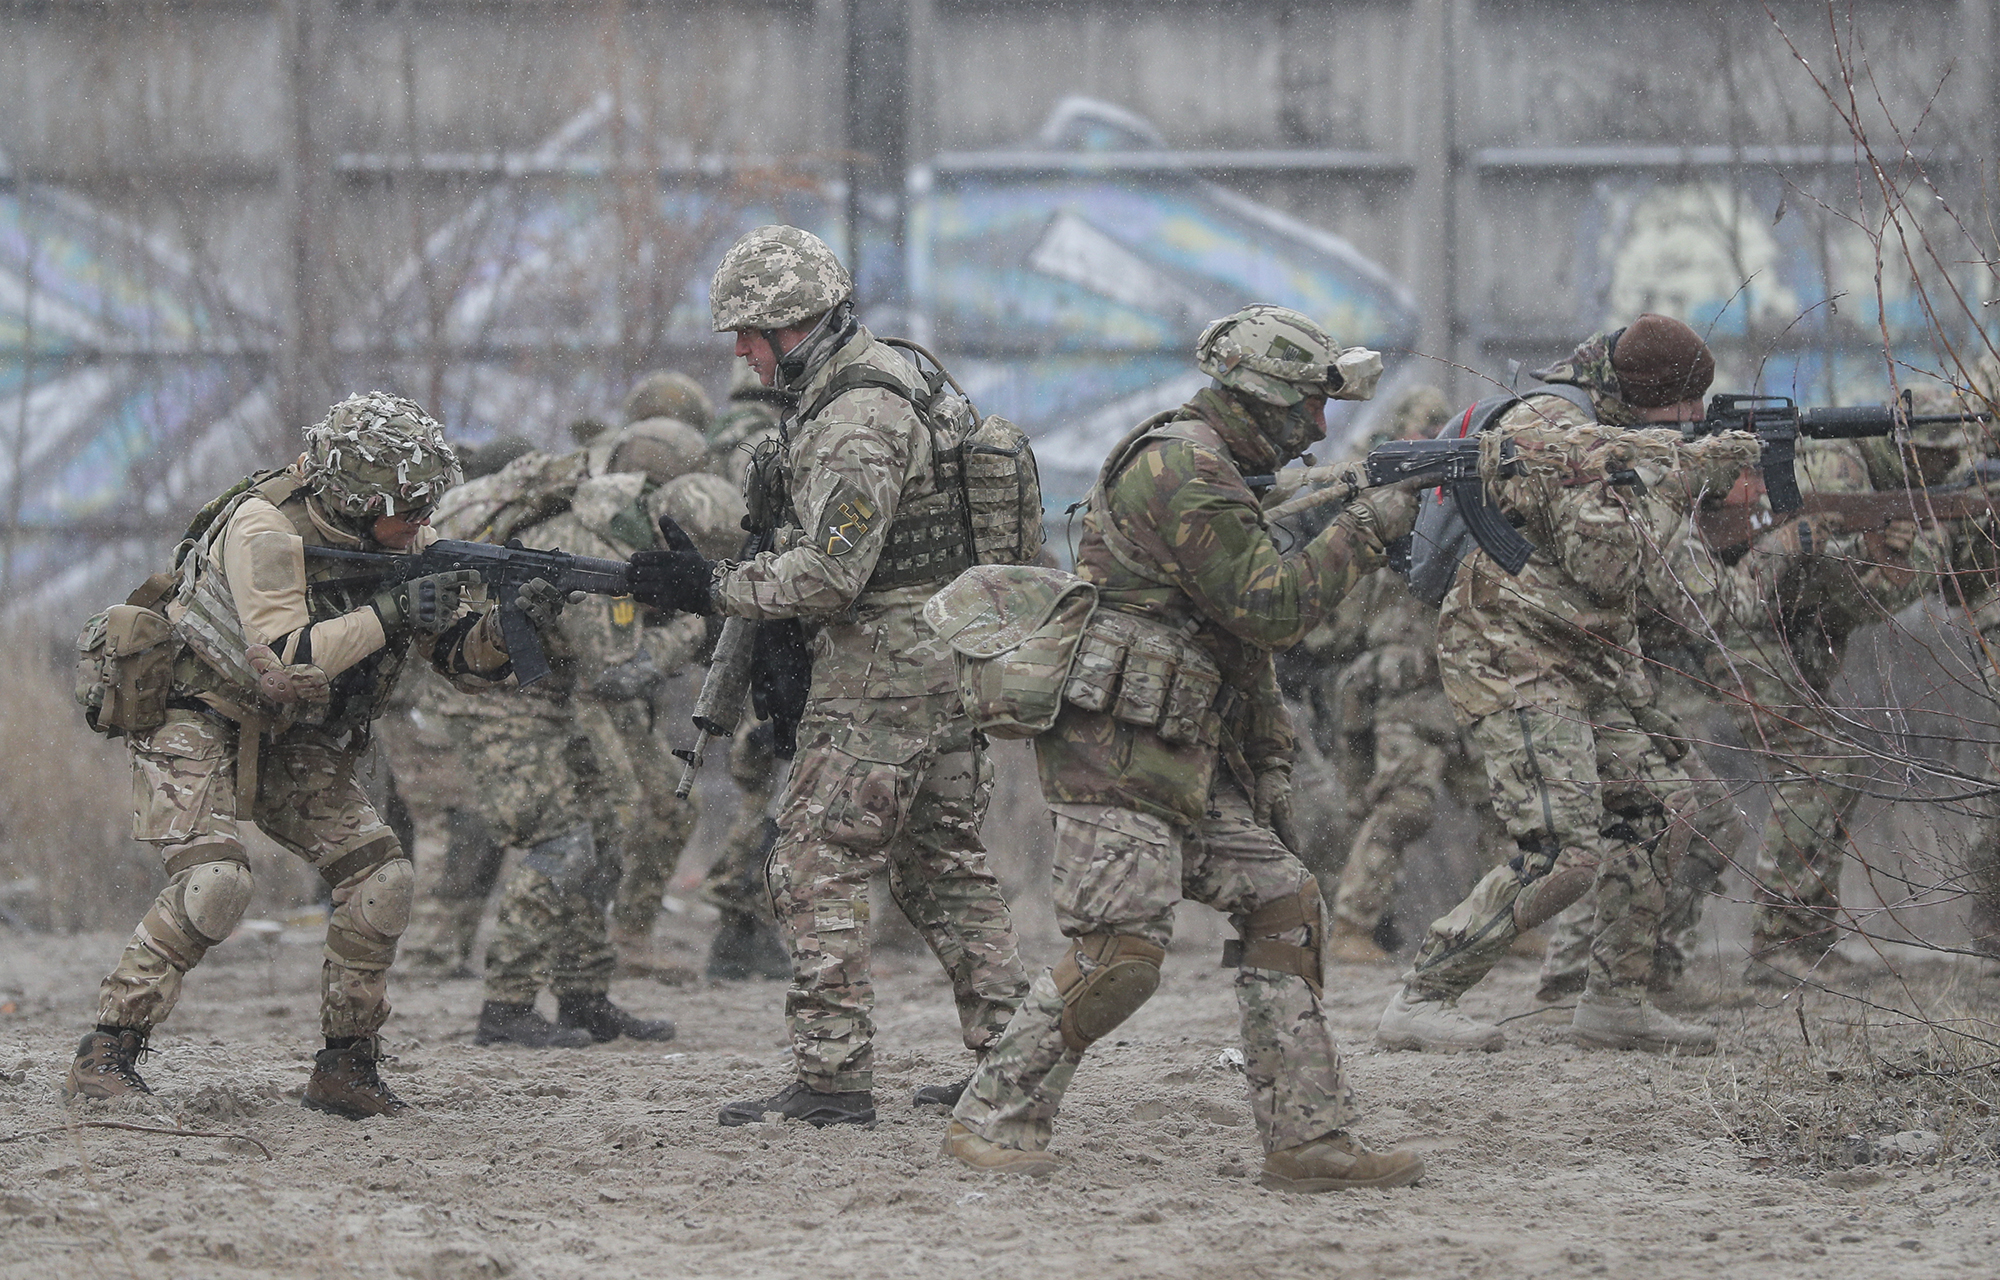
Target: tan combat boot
[(106, 1065), (345, 1082), (1631, 1022), (1347, 943), (1339, 1162), (1434, 1026), (968, 1147)]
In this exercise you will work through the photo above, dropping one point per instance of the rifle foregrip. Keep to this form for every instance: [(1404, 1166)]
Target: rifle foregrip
[(1850, 423)]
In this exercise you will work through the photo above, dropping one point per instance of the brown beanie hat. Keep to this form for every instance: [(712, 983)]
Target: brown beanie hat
[(1660, 361)]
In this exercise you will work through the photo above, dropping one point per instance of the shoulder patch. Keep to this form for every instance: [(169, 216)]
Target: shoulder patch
[(844, 521)]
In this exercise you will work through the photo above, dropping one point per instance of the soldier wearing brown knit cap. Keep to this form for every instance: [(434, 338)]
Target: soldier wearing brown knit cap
[(1659, 362)]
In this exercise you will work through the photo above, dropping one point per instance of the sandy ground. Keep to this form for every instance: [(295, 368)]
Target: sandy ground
[(1543, 1159)]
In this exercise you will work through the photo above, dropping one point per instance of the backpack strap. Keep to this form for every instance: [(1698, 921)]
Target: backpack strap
[(855, 377), (1160, 426)]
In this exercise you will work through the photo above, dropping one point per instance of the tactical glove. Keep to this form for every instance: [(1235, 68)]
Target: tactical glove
[(283, 685), (425, 604), (541, 602), (1389, 513), (1664, 730), (679, 579)]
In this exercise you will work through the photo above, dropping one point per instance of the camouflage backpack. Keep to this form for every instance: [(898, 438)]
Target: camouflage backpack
[(532, 488), (989, 460), (1014, 630)]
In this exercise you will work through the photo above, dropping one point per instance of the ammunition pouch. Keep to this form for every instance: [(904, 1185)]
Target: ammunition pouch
[(928, 539), (1014, 631), (1103, 979), (1147, 674), (125, 666), (1258, 944)]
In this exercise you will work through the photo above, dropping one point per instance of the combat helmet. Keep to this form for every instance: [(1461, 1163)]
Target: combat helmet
[(377, 454), (776, 277), (669, 393), (707, 507), (661, 448), (1277, 356)]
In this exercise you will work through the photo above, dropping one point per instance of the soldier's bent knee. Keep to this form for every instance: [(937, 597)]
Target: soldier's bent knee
[(383, 900), (1103, 980), (1260, 936), (198, 910)]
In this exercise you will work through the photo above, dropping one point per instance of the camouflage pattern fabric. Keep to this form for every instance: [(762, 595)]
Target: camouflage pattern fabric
[(889, 772), (900, 784), (1176, 493), (1121, 871), (1545, 667), (377, 454), (184, 774), (774, 277), (1778, 672), (537, 781), (735, 881)]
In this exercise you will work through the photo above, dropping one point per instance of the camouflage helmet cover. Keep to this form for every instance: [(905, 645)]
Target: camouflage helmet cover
[(1278, 356), (376, 454), (707, 507), (776, 277), (661, 448), (669, 393)]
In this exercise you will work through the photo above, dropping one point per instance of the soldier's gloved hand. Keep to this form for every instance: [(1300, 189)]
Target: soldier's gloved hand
[(1388, 513), (425, 603), (1899, 537), (679, 579), (541, 602), (1664, 730), (1271, 806), (283, 685)]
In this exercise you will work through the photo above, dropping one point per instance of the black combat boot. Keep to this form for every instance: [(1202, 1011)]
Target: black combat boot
[(746, 947), (501, 1023), (106, 1064), (345, 1081), (941, 1095), (593, 1012), (796, 1102)]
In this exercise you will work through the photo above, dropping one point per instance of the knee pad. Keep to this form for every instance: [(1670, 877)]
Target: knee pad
[(213, 898), (1259, 942), (382, 901), (1545, 898), (1103, 981)]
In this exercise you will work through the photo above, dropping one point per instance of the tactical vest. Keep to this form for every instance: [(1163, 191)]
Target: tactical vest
[(984, 502), (205, 617)]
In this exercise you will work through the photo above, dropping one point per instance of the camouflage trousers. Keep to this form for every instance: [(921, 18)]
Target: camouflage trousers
[(1120, 871), (1416, 755), (735, 882), (543, 785), (901, 783), (184, 777), (654, 824), (1812, 780), (1593, 807)]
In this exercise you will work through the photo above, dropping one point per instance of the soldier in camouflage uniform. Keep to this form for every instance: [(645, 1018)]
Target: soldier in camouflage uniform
[(1169, 767), (1545, 668), (889, 771), (570, 768), (285, 664), (1399, 748)]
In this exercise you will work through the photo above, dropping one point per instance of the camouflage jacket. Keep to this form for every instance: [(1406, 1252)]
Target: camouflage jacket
[(848, 470), (1565, 630), (247, 580), (1176, 497)]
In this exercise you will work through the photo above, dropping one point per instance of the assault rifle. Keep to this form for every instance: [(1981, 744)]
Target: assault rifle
[(1778, 423), (1451, 463), (751, 659), (1733, 524), (506, 570)]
